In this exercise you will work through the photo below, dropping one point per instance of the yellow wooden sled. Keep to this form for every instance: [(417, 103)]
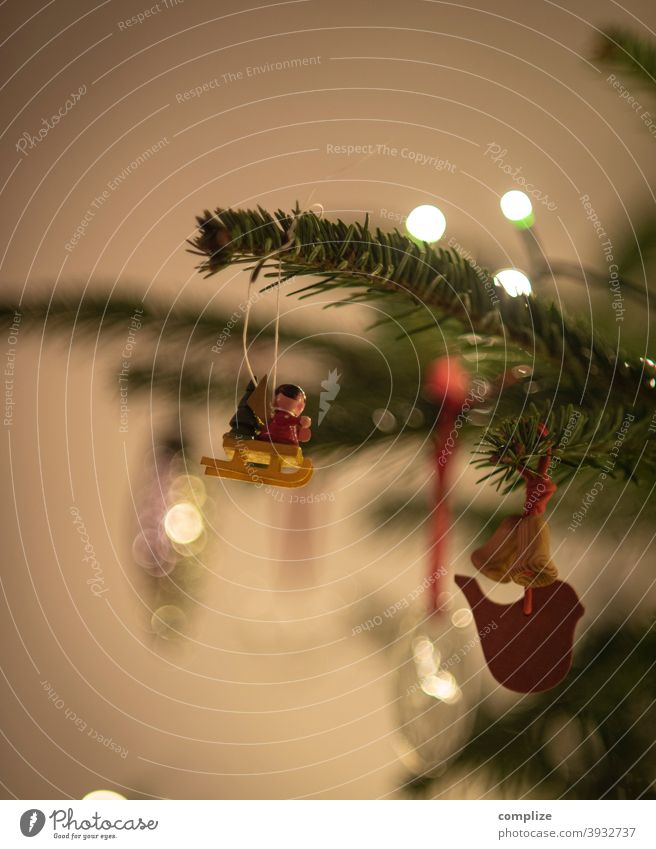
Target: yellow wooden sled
[(259, 461)]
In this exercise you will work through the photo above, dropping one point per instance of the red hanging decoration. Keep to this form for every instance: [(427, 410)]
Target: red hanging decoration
[(527, 654), (527, 644), (520, 550), (446, 385)]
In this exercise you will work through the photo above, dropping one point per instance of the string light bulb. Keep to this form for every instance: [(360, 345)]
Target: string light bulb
[(183, 523), (517, 207), (104, 795), (514, 281), (426, 223)]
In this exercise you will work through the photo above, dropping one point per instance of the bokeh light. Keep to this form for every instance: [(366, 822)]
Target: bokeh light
[(168, 622), (183, 523), (514, 281), (426, 223), (516, 206), (442, 686), (383, 420), (105, 795)]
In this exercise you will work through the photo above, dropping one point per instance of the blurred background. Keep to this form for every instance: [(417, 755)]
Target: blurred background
[(169, 635)]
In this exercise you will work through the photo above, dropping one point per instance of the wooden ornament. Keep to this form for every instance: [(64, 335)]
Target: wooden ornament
[(520, 551), (259, 462), (526, 653), (252, 456)]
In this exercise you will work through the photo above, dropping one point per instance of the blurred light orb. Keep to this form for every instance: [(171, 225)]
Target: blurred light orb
[(188, 488), (516, 206), (168, 622), (105, 795), (415, 418), (383, 420), (522, 371), (426, 657), (152, 550), (183, 523), (462, 617), (426, 222), (514, 281), (442, 686)]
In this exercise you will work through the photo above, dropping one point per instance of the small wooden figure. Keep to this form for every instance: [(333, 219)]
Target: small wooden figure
[(246, 424), (263, 447), (287, 424)]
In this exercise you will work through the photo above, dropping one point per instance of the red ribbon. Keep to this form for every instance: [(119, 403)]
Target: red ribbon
[(445, 384), (539, 489)]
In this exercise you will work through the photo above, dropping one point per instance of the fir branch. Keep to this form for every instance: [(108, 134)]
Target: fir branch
[(590, 738), (574, 363), (343, 256), (625, 51)]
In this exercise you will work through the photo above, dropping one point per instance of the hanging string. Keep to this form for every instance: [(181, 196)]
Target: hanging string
[(316, 209), (539, 489), (274, 382), (244, 337)]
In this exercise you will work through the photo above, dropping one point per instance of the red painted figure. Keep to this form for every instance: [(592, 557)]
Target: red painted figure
[(287, 424)]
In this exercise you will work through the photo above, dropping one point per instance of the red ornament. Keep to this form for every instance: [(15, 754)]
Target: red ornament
[(526, 654), (446, 385)]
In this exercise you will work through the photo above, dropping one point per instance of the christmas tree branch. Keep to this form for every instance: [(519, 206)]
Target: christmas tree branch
[(626, 52), (606, 707), (570, 362)]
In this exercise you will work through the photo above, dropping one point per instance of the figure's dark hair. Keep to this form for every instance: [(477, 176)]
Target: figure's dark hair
[(290, 390)]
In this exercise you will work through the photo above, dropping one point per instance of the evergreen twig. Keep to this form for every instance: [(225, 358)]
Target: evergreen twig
[(571, 360)]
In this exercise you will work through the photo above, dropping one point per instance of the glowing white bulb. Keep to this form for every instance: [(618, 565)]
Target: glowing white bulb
[(516, 206), (183, 523), (515, 282), (426, 222), (103, 794), (442, 686)]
